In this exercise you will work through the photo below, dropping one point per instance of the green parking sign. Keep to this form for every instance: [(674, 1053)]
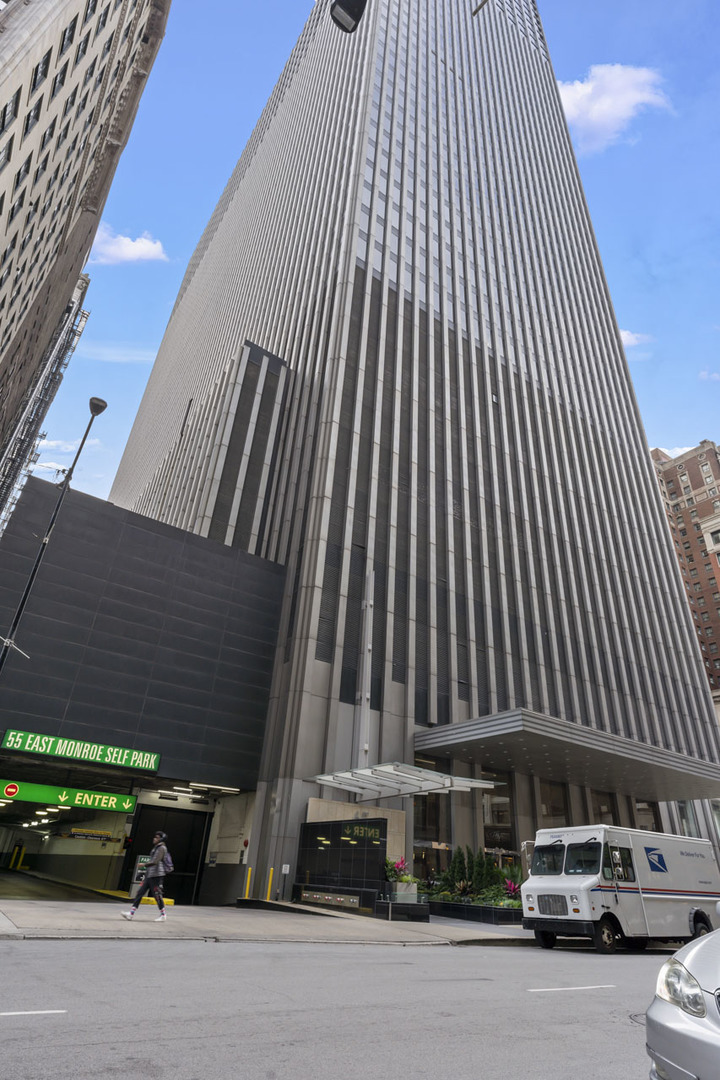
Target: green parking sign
[(17, 791)]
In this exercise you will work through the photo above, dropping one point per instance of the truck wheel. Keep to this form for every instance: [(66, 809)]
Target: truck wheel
[(545, 939), (702, 926), (604, 936)]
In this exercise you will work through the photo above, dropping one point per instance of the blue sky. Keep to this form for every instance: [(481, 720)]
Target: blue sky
[(641, 84)]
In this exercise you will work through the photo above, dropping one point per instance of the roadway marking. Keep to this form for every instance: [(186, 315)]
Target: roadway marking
[(559, 989), (35, 1012)]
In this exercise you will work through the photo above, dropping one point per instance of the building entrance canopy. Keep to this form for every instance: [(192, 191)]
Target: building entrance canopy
[(538, 745), (394, 780)]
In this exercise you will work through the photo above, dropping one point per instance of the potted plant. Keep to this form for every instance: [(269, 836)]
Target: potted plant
[(402, 882)]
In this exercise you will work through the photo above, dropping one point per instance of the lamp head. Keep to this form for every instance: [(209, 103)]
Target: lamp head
[(97, 406), (347, 14)]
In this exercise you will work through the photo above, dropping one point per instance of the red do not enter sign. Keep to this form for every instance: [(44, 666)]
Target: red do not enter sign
[(11, 790)]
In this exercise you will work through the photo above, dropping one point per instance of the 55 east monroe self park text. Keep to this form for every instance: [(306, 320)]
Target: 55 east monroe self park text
[(82, 751)]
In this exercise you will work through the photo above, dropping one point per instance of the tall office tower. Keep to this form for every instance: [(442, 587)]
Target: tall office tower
[(690, 486), (71, 76), (393, 366)]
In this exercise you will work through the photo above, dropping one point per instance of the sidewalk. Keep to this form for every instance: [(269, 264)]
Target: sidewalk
[(50, 919)]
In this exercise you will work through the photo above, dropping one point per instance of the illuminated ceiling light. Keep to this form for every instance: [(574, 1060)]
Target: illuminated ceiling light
[(216, 787)]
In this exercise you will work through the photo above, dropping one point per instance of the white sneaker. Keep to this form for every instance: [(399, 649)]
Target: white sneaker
[(161, 918), (127, 914)]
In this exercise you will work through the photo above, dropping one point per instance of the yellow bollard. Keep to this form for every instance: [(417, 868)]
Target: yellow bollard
[(272, 868), (247, 882)]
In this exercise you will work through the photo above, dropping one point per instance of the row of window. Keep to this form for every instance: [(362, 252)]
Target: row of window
[(20, 192)]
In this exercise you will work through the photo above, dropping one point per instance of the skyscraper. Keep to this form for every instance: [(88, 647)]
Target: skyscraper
[(71, 76), (393, 366)]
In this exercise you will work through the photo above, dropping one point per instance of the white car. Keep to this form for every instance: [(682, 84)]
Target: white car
[(683, 1021)]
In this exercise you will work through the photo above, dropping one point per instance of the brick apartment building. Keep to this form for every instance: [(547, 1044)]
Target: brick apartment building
[(690, 486)]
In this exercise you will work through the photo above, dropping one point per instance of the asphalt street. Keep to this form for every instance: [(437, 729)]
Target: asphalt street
[(193, 1010)]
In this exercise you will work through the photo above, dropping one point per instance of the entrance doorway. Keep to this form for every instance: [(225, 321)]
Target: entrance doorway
[(187, 833)]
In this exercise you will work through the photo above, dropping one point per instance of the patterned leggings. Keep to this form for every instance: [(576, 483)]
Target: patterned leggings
[(150, 885)]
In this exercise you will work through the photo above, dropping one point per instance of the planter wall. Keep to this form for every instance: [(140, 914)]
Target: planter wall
[(499, 916)]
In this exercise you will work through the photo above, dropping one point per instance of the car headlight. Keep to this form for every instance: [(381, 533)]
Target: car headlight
[(676, 985)]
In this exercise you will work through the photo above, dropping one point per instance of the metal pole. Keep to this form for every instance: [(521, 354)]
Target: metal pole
[(361, 718), (481, 5), (8, 642)]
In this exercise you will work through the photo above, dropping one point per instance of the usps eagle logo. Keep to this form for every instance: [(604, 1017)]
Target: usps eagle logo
[(657, 860)]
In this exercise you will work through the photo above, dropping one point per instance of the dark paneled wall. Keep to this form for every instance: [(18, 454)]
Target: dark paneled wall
[(140, 635)]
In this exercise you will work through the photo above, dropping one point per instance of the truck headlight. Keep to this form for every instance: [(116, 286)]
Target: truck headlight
[(574, 900), (676, 985), (530, 898)]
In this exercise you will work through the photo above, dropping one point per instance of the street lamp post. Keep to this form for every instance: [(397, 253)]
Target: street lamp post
[(347, 14), (97, 406)]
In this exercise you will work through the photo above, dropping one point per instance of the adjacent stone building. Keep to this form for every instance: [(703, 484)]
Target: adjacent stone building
[(71, 76), (690, 486)]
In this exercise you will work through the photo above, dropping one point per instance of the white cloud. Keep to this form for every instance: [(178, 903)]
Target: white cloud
[(709, 376), (630, 338), (53, 466), (62, 446), (110, 248), (115, 352), (600, 108), (676, 451)]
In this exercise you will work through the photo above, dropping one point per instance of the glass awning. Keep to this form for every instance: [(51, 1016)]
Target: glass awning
[(395, 780)]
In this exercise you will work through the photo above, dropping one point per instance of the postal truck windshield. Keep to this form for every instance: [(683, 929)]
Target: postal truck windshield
[(578, 859)]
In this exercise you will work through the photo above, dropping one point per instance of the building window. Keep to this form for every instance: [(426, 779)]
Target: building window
[(68, 36), (22, 172), (5, 153), (90, 10), (102, 21), (9, 112), (59, 81), (39, 75), (41, 169), (70, 102), (107, 46), (32, 118), (688, 821), (604, 808), (47, 136), (8, 250), (82, 49), (90, 72), (647, 816), (17, 206), (62, 136), (553, 804)]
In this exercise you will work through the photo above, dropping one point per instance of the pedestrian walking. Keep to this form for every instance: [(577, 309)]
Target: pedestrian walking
[(155, 871)]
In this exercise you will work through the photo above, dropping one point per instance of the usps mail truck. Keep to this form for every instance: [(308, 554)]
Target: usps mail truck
[(620, 885)]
